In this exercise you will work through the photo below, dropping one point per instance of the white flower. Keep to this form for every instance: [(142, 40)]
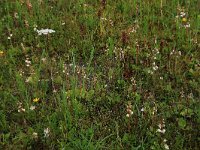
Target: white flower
[(155, 67), (44, 59), (182, 14), (28, 61), (165, 140), (161, 130), (46, 132), (154, 110), (187, 25), (142, 109), (160, 126), (166, 146), (32, 108), (35, 135), (45, 31), (21, 110)]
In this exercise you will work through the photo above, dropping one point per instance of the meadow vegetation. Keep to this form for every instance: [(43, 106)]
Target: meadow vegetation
[(100, 74)]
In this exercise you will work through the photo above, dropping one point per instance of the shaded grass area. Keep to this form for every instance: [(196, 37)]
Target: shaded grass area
[(113, 75)]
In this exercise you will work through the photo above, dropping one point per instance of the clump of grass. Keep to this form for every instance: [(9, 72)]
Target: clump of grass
[(99, 74)]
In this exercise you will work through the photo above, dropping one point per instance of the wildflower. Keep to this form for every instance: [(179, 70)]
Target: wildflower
[(1, 53), (161, 130), (44, 59), (44, 31), (9, 37), (129, 110), (35, 135), (32, 108), (182, 14), (184, 19), (155, 68), (20, 108), (46, 132), (161, 127), (166, 146), (16, 15), (142, 110), (150, 71), (154, 110), (28, 62), (187, 25), (36, 100), (29, 79), (103, 18)]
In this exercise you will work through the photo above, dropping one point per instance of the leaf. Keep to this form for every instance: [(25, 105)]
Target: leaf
[(125, 138), (137, 97), (90, 94), (182, 123), (187, 112), (168, 87)]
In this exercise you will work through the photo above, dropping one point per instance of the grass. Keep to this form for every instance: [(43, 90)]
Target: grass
[(113, 75)]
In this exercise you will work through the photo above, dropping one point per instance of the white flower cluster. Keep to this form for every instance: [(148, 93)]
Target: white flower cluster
[(32, 107), (27, 61), (44, 31), (20, 108), (183, 16), (129, 110), (162, 130), (176, 53), (35, 135), (46, 132), (9, 37)]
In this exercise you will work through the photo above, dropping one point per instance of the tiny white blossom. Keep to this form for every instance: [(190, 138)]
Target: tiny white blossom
[(32, 108), (28, 61), (35, 135), (160, 126), (155, 67), (161, 130), (44, 59), (142, 109), (187, 25), (182, 14), (166, 146), (46, 132), (45, 31)]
